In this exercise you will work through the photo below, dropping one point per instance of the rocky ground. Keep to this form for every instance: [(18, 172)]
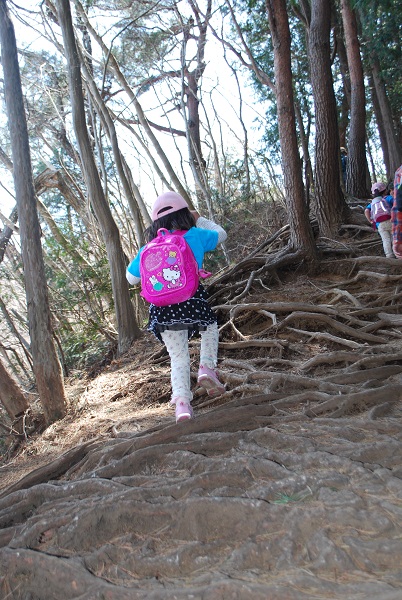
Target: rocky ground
[(287, 487)]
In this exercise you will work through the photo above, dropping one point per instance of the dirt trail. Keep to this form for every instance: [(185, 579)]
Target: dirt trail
[(287, 487)]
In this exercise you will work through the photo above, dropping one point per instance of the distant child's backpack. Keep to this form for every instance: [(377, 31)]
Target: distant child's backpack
[(380, 210), (169, 271)]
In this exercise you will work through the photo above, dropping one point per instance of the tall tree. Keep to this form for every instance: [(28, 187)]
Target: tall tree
[(46, 365), (127, 327), (357, 175), (112, 65), (393, 150), (344, 94), (329, 200), (301, 232), (190, 94)]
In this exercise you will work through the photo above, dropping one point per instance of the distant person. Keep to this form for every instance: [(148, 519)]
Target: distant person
[(344, 160), (175, 323), (397, 214), (378, 213)]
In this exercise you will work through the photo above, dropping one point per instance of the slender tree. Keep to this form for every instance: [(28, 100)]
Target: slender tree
[(127, 327), (357, 175), (330, 205), (112, 65), (190, 95), (301, 232), (393, 151), (46, 365)]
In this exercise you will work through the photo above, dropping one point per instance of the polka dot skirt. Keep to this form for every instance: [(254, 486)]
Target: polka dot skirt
[(194, 315)]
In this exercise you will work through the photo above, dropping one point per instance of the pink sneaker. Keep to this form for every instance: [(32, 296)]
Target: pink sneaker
[(183, 410), (208, 379)]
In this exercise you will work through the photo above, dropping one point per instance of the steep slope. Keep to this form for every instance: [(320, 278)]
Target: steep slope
[(288, 486)]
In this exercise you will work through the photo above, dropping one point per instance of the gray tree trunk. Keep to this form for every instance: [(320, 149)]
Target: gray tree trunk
[(301, 234), (127, 327), (357, 174), (12, 397), (394, 151), (112, 64), (46, 365), (330, 205)]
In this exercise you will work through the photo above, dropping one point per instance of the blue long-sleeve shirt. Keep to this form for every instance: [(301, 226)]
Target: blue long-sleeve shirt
[(201, 239)]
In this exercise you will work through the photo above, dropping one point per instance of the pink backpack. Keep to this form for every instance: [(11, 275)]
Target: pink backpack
[(169, 271), (380, 210)]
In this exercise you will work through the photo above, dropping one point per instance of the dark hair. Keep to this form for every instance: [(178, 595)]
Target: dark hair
[(180, 219), (378, 192)]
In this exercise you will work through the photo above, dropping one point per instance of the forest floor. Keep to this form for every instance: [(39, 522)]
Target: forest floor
[(288, 486)]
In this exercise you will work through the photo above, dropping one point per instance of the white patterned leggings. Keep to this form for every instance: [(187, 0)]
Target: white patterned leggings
[(385, 231), (176, 343)]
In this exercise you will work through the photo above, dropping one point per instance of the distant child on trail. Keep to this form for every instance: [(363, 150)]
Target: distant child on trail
[(378, 212), (161, 271)]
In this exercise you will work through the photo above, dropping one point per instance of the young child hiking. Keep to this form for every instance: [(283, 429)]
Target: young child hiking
[(378, 212), (175, 323)]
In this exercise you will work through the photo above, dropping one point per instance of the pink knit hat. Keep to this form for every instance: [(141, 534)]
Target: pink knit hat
[(378, 187), (167, 203)]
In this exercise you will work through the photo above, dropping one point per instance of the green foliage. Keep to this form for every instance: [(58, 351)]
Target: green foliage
[(381, 35), (83, 348), (146, 42), (256, 32), (288, 498), (80, 295)]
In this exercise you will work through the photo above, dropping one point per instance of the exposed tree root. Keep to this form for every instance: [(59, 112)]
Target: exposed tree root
[(291, 479), (331, 346), (348, 328)]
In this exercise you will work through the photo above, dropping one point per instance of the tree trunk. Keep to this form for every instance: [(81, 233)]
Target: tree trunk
[(11, 396), (127, 327), (113, 65), (190, 101), (301, 234), (381, 129), (52, 178), (118, 159), (26, 347), (46, 365), (5, 235), (357, 175), (308, 170), (330, 204), (344, 69), (394, 150)]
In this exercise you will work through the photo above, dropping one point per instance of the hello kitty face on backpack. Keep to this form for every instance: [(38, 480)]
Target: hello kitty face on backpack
[(171, 275)]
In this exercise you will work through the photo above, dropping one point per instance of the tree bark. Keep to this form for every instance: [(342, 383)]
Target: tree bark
[(127, 327), (112, 135), (113, 65), (26, 347), (301, 235), (394, 151), (12, 396), (381, 129), (46, 365), (308, 170), (357, 175), (190, 91), (330, 205), (344, 69), (5, 235)]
